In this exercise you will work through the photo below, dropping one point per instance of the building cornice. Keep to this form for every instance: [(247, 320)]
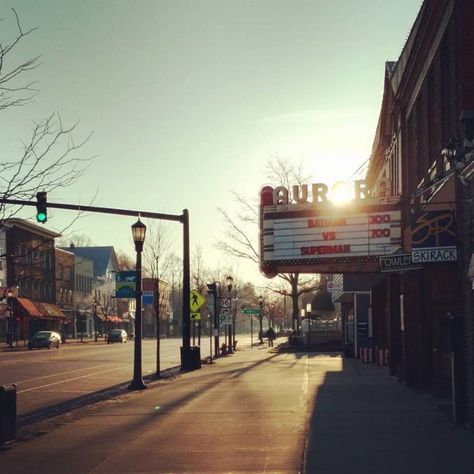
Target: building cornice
[(30, 227)]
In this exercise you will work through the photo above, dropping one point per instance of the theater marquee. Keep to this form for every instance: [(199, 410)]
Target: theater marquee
[(322, 237)]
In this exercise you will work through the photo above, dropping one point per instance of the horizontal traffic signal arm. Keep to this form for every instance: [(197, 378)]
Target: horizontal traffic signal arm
[(103, 210)]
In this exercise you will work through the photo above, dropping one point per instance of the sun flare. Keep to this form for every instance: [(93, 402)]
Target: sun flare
[(340, 193)]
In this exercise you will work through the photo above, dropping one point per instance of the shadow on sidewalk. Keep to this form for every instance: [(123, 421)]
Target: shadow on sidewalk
[(364, 421)]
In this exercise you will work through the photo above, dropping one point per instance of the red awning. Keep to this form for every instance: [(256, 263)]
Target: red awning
[(114, 319), (50, 311), (29, 308)]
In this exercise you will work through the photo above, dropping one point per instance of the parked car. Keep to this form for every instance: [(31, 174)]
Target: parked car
[(117, 335), (45, 339)]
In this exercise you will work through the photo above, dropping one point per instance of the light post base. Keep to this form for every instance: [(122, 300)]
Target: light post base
[(137, 385)]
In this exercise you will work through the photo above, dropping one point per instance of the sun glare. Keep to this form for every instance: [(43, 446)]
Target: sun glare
[(340, 193)]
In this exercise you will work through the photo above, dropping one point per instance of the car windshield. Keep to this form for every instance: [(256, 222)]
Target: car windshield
[(42, 335), (116, 331)]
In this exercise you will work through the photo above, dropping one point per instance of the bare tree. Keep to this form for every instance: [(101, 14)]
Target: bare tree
[(125, 262), (157, 262), (49, 159), (14, 91), (241, 233), (78, 240)]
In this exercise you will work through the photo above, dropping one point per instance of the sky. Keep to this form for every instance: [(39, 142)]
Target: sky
[(187, 100)]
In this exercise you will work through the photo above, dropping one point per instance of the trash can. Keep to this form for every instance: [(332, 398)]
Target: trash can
[(196, 357), (192, 359), (7, 413)]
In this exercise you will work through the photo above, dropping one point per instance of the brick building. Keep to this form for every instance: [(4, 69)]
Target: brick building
[(29, 268), (423, 148)]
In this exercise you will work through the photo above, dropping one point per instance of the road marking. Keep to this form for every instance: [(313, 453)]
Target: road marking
[(68, 380), (59, 373)]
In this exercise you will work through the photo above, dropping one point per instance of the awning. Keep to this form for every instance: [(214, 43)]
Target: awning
[(114, 319), (50, 311), (28, 308)]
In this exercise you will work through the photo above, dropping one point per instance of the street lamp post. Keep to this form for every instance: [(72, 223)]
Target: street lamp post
[(260, 319), (138, 232), (96, 322), (229, 282), (212, 289), (11, 319)]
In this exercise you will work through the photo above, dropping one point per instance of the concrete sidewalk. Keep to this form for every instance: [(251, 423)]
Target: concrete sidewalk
[(255, 411), (364, 421)]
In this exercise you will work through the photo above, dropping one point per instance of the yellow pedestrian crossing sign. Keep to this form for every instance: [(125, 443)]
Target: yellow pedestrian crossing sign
[(197, 300), (195, 316)]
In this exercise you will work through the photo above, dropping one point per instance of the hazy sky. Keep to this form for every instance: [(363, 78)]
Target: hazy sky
[(187, 100)]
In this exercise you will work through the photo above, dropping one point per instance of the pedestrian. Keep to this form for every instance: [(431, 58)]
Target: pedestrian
[(270, 336)]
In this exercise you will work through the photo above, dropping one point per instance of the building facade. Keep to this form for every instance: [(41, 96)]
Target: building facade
[(423, 151), (65, 289), (29, 267)]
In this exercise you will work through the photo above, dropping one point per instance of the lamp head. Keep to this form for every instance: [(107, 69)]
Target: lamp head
[(138, 233), (229, 281)]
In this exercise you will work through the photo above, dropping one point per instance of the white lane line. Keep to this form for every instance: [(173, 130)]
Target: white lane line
[(59, 373), (68, 380)]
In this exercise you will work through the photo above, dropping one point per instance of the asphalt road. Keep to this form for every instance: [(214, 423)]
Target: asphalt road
[(46, 378)]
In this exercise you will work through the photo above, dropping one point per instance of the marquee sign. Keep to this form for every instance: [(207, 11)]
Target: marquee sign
[(322, 237)]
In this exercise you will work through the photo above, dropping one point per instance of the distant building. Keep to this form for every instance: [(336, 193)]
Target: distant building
[(101, 307), (28, 267), (65, 288)]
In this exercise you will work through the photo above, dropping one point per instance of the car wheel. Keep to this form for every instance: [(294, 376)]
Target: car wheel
[(49, 345)]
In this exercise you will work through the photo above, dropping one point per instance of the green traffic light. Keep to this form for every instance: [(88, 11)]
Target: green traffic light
[(41, 217)]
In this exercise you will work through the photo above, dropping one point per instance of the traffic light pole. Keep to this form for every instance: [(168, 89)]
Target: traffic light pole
[(186, 360)]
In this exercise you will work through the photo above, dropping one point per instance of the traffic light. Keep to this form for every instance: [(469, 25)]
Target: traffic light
[(41, 207)]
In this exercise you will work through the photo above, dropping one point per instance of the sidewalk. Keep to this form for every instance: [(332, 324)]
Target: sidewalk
[(365, 421), (258, 410)]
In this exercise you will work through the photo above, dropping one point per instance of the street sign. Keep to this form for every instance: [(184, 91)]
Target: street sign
[(125, 284), (397, 262), (195, 316), (434, 255), (197, 300), (251, 311), (224, 305), (334, 286), (148, 297), (225, 320)]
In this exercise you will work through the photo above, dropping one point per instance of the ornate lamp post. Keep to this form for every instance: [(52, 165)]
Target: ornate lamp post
[(229, 281), (260, 319), (10, 319), (138, 232), (96, 322), (214, 289)]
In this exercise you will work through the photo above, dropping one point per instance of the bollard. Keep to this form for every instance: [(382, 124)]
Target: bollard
[(7, 413)]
